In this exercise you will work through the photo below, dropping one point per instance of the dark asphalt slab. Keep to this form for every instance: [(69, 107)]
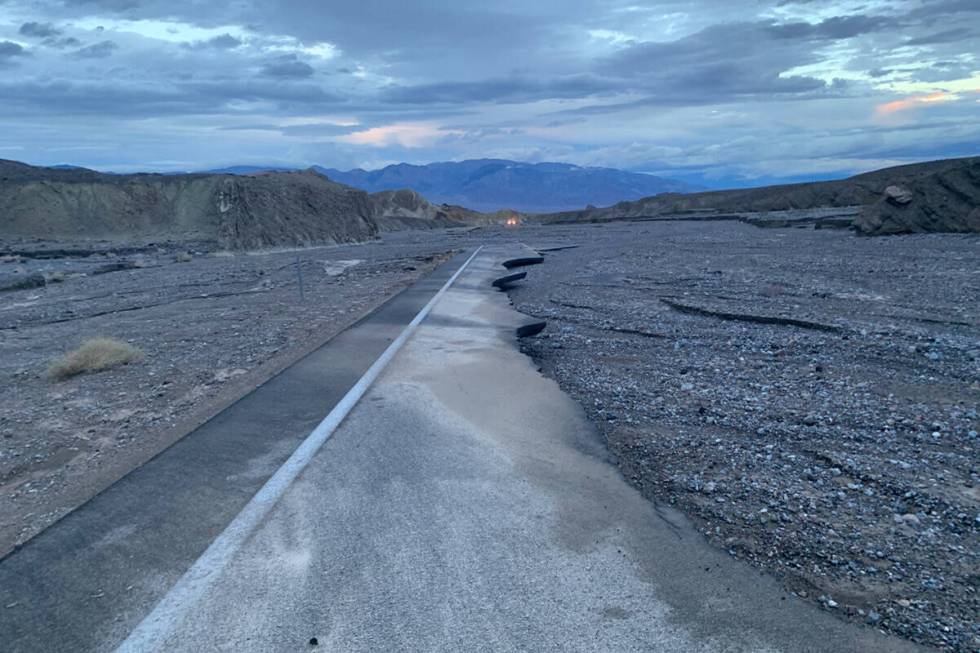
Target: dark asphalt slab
[(90, 578)]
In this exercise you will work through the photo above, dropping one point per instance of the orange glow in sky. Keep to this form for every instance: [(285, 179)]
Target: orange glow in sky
[(913, 101)]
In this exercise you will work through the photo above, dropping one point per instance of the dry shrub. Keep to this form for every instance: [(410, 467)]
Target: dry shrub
[(93, 355)]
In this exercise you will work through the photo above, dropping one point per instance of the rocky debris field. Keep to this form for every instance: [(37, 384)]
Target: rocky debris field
[(210, 327), (808, 397)]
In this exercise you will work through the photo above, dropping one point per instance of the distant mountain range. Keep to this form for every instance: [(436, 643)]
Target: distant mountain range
[(492, 184)]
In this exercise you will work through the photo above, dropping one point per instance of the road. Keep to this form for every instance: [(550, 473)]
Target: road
[(464, 503)]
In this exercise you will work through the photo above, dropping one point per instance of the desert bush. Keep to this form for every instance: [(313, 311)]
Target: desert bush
[(94, 355)]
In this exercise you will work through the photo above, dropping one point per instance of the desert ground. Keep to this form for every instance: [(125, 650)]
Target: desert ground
[(808, 397), (210, 326)]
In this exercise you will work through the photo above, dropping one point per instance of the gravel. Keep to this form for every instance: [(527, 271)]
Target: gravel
[(810, 398)]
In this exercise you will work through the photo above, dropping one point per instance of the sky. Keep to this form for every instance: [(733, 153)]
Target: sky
[(718, 92)]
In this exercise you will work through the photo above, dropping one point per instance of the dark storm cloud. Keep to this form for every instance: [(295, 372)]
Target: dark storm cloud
[(837, 27), (418, 29), (220, 42), (224, 41), (62, 43), (717, 64), (51, 35), (144, 99), (9, 50), (287, 67), (99, 50), (595, 81), (39, 30)]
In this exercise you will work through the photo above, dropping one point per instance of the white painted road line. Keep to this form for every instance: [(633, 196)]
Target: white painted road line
[(192, 585)]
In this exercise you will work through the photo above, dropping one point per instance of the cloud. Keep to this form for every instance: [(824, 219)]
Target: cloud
[(913, 102), (99, 50), (836, 27), (142, 99), (62, 43), (406, 135), (51, 36), (39, 30), (287, 67), (9, 50), (107, 5), (946, 36), (937, 9), (714, 86), (220, 42), (511, 89), (718, 64)]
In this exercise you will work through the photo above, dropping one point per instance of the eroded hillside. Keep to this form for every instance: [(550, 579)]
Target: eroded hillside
[(275, 209), (942, 196)]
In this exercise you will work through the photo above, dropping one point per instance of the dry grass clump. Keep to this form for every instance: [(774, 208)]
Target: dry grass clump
[(93, 355)]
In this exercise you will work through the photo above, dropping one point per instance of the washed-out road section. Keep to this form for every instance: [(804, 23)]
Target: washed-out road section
[(466, 503)]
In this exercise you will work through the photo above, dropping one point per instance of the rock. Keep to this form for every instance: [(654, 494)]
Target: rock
[(945, 201), (183, 257), (121, 415), (898, 195), (827, 601), (229, 373), (21, 281), (118, 266)]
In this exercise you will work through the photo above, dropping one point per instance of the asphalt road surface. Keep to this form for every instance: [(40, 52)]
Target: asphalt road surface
[(464, 503)]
